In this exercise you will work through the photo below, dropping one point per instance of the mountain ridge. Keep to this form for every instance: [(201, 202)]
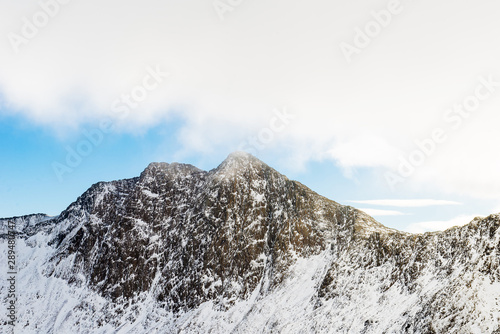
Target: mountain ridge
[(243, 249)]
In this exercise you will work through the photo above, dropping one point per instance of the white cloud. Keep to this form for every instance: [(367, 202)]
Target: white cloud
[(363, 150), (409, 203), (378, 212), (439, 225), (227, 77), (496, 209)]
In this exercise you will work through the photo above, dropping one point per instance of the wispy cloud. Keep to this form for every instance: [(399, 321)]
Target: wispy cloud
[(407, 203), (378, 212), (439, 225)]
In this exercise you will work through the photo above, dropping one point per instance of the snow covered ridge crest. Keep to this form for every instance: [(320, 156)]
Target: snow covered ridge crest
[(243, 249)]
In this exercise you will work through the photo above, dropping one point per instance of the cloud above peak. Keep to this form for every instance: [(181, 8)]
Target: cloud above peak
[(227, 74)]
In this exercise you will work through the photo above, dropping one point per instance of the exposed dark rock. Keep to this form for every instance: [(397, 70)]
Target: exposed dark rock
[(185, 236)]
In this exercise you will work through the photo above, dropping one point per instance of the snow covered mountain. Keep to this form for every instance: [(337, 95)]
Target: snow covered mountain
[(243, 249)]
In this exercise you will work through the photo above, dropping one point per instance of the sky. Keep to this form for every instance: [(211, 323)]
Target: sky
[(387, 106)]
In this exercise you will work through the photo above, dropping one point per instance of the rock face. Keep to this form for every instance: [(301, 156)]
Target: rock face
[(243, 249)]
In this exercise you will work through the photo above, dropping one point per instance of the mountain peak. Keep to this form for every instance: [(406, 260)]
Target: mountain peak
[(157, 166), (162, 168), (239, 162), (241, 156)]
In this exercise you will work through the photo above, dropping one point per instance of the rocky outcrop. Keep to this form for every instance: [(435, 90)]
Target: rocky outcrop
[(228, 249), (197, 235)]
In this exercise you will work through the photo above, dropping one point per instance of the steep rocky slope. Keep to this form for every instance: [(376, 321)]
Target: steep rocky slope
[(243, 249)]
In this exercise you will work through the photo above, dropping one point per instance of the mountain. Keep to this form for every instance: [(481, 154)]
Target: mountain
[(243, 249)]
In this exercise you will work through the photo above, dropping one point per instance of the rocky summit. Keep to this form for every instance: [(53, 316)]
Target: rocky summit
[(243, 249)]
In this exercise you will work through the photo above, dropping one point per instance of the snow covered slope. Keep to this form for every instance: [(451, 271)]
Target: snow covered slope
[(243, 249)]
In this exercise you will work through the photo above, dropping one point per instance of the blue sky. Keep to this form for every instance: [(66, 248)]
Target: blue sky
[(360, 101)]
